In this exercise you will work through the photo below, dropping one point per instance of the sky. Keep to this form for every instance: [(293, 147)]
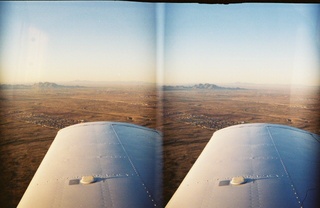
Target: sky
[(65, 41), (164, 43), (251, 43)]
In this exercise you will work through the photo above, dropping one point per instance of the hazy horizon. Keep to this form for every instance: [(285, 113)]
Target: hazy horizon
[(245, 85), (167, 44)]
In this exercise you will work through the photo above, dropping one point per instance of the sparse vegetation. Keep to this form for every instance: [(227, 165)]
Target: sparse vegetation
[(30, 119)]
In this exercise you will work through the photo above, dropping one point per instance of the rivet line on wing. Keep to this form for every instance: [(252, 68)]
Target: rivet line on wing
[(284, 167), (134, 168), (124, 149)]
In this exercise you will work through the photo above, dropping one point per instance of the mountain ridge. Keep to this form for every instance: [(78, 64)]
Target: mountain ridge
[(205, 86), (38, 85)]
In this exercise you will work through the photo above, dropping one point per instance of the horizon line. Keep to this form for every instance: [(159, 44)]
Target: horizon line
[(91, 82)]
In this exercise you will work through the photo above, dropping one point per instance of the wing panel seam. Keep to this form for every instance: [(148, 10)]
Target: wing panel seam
[(134, 168), (124, 149), (103, 188), (284, 167)]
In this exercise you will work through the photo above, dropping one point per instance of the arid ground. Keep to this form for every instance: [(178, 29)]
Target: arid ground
[(30, 119)]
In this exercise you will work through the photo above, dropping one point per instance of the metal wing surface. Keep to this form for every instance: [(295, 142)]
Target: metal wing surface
[(121, 162), (278, 165)]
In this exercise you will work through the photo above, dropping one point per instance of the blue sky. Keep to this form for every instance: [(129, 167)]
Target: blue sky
[(64, 41), (255, 43), (117, 41)]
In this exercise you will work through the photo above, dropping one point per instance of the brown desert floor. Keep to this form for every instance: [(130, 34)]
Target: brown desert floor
[(31, 118)]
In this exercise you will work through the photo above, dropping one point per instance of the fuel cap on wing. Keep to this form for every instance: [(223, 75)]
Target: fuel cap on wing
[(87, 179), (238, 180)]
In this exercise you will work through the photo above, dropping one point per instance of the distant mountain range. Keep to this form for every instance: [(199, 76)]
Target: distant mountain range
[(39, 85), (46, 85), (205, 86)]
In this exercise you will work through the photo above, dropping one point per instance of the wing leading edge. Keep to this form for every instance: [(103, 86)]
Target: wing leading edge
[(274, 166), (122, 164)]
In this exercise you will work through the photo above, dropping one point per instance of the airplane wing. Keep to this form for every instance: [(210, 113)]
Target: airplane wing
[(254, 165), (104, 164), (99, 164)]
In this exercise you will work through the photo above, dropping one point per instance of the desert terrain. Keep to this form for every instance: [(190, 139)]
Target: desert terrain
[(30, 119)]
